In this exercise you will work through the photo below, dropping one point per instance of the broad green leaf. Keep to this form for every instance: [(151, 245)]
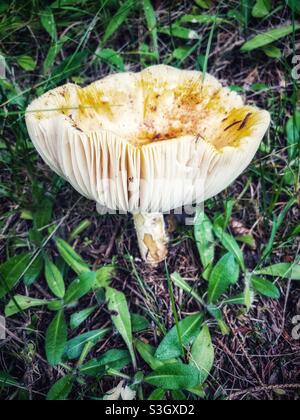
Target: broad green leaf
[(178, 395), (61, 389), (203, 354), (182, 53), (248, 240), (179, 32), (93, 369), (157, 395), (150, 16), (79, 317), (11, 272), (198, 391), (265, 287), (117, 304), (56, 338), (237, 88), (112, 359), (272, 52), (56, 305), (139, 323), (174, 377), (34, 271), (48, 22), (111, 57), (36, 237), (71, 257), (230, 243), (170, 346), (260, 87), (118, 19), (261, 8), (115, 359), (54, 279), (268, 38), (80, 287), (224, 274), (203, 232), (21, 303), (74, 347), (182, 284), (26, 63), (147, 353), (284, 270)]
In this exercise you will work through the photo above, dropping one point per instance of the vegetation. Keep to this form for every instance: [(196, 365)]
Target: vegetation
[(85, 317)]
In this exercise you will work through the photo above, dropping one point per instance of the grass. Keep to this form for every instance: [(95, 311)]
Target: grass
[(99, 297)]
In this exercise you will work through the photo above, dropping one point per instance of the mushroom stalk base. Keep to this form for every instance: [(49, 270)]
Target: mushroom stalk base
[(152, 237)]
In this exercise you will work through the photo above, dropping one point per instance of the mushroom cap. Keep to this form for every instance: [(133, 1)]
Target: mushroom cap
[(147, 142)]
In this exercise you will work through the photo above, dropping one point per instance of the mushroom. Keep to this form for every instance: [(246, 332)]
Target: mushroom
[(147, 143)]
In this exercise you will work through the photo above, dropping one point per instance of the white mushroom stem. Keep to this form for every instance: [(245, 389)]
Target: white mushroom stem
[(152, 237)]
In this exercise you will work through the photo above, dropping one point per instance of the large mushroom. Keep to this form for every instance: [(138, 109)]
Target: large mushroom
[(147, 143)]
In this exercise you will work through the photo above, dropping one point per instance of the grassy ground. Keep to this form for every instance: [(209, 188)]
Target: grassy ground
[(250, 350)]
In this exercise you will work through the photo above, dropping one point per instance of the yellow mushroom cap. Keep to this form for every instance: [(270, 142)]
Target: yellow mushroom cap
[(147, 142)]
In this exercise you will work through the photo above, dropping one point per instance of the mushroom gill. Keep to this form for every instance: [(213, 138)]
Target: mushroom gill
[(147, 143)]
